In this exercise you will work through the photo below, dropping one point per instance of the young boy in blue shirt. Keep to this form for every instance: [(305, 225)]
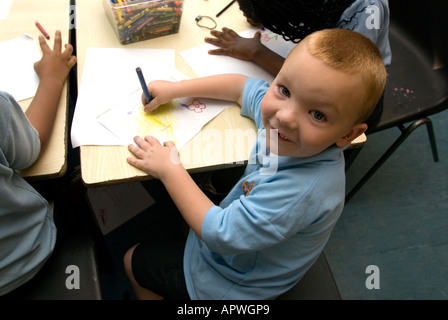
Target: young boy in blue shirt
[(272, 226)]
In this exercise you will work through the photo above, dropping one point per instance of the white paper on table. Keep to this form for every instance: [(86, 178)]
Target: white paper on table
[(204, 64), (17, 58), (4, 8), (178, 121), (273, 41), (115, 204), (109, 75)]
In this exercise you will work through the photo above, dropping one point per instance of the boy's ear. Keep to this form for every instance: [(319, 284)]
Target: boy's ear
[(354, 133)]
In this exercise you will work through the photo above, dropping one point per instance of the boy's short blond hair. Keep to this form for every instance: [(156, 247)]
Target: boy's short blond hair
[(354, 53)]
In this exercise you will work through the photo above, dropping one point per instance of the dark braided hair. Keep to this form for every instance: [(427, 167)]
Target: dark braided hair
[(295, 19)]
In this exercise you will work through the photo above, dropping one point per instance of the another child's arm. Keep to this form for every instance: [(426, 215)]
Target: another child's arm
[(52, 70), (162, 162), (249, 49)]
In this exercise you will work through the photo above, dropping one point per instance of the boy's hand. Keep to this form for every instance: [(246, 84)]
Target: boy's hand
[(162, 162), (54, 64), (154, 158), (161, 92)]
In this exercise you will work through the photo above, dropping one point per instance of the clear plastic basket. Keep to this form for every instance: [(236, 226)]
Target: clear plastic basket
[(137, 20)]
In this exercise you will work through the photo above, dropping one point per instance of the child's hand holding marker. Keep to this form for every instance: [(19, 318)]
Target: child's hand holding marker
[(162, 92), (146, 96)]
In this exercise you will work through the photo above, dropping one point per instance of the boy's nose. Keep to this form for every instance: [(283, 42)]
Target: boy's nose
[(287, 118)]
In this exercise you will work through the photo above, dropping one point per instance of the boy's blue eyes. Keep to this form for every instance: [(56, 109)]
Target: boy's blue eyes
[(285, 91), (316, 114)]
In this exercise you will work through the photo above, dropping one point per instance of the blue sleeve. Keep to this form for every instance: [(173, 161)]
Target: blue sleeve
[(274, 210), (253, 94), (19, 141)]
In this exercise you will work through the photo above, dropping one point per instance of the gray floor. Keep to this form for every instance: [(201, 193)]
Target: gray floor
[(398, 221)]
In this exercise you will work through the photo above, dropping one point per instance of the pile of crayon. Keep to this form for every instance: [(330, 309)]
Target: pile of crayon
[(137, 20)]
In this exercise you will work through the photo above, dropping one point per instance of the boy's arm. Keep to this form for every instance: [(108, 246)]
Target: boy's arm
[(227, 87), (52, 70), (162, 162), (191, 202)]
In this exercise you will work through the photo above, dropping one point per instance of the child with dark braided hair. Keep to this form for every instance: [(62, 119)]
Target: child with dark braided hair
[(295, 19)]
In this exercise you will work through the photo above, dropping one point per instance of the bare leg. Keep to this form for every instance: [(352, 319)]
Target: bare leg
[(140, 292)]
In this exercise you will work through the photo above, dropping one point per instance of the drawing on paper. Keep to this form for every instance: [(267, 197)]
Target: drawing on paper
[(195, 105), (177, 121), (163, 119)]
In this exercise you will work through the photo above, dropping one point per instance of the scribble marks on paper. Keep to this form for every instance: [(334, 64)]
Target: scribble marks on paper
[(162, 120)]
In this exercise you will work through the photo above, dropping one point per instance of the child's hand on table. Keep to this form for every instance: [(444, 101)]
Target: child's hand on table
[(154, 158)]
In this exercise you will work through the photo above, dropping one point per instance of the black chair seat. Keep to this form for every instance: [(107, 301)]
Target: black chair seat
[(54, 281), (414, 89), (317, 284)]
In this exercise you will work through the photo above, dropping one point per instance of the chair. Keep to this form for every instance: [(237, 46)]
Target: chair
[(57, 282), (417, 87), (317, 284)]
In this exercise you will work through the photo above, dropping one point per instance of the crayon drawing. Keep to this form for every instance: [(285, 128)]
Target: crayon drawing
[(195, 105), (162, 120), (178, 121)]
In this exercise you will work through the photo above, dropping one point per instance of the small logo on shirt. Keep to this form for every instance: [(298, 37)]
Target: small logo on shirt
[(247, 187)]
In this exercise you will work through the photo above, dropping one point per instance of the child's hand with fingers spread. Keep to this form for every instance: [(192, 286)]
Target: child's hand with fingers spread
[(154, 158), (233, 45), (55, 64), (52, 70)]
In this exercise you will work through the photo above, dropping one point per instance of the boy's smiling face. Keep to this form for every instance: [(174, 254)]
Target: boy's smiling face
[(312, 106)]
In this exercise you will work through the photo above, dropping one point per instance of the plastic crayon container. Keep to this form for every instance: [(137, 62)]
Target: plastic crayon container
[(138, 20)]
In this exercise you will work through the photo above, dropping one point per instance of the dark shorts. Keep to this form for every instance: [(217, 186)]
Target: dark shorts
[(158, 266)]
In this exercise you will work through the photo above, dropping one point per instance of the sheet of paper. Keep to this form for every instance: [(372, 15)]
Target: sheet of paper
[(273, 41), (17, 58), (204, 64), (109, 76), (178, 121), (114, 205), (4, 8)]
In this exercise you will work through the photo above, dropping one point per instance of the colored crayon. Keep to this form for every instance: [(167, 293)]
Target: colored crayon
[(38, 25), (143, 84)]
